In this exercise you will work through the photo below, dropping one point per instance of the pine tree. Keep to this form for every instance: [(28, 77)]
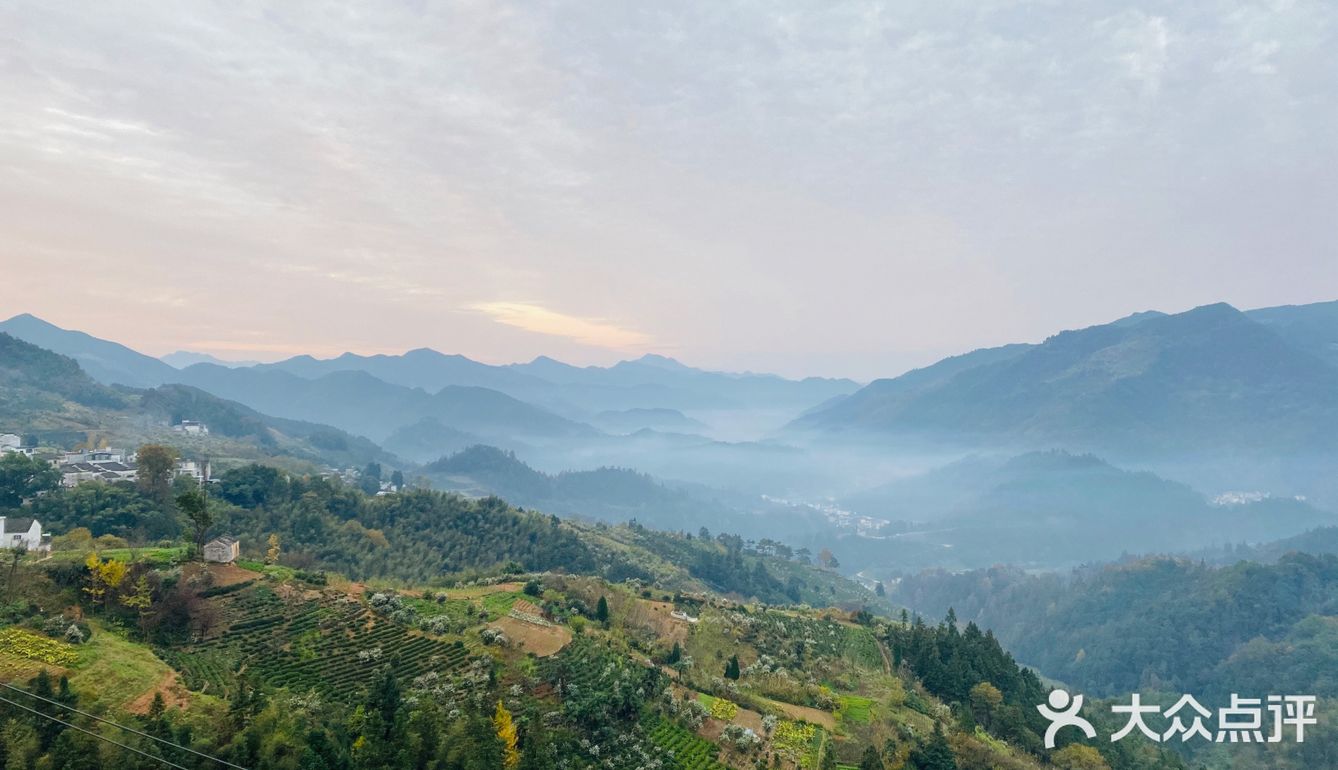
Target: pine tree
[(732, 667), (602, 610), (47, 729), (935, 754)]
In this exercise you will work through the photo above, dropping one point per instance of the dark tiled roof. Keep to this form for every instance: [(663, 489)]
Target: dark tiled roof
[(223, 539), (101, 466), (18, 524)]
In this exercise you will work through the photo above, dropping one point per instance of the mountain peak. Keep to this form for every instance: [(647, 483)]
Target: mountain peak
[(28, 318), (663, 362), (105, 361), (1206, 377), (428, 353), (184, 358)]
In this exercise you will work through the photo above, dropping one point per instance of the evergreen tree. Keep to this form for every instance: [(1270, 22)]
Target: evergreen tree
[(193, 503), (47, 729), (871, 760), (379, 738), (73, 750), (935, 753), (370, 480), (602, 610), (732, 667)]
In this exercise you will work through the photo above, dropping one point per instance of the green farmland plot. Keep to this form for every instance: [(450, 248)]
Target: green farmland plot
[(682, 748), (331, 645)]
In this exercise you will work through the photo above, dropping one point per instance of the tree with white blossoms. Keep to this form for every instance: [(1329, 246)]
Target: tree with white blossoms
[(769, 723)]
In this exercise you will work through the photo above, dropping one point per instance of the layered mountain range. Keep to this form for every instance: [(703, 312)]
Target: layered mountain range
[(1042, 453)]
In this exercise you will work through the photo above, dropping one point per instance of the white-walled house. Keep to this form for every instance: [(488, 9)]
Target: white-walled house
[(10, 442), (74, 474), (222, 550), (16, 531), (195, 469), (96, 456)]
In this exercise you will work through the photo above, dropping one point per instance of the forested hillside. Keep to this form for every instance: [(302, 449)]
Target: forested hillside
[(607, 494), (1157, 624), (1208, 377)]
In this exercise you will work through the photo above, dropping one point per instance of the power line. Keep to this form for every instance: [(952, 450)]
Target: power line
[(118, 725), (154, 757)]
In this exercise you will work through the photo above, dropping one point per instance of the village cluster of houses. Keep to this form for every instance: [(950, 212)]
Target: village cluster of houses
[(108, 465), (115, 465)]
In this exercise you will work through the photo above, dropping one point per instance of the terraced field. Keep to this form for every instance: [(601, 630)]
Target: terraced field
[(683, 749), (331, 645)]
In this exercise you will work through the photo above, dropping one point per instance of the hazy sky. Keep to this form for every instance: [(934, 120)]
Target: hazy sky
[(824, 187)]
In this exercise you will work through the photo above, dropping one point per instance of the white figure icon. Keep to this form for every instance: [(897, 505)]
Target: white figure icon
[(1063, 712)]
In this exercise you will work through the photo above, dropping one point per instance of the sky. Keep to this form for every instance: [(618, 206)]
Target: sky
[(812, 188)]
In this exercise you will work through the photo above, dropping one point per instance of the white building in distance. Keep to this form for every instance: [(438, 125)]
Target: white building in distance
[(23, 532), (222, 550)]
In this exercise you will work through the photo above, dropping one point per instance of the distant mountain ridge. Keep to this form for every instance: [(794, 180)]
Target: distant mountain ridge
[(107, 362), (609, 494), (1055, 508), (46, 394), (1208, 376), (345, 391), (634, 420), (363, 404), (651, 381), (184, 358), (1312, 328), (420, 368)]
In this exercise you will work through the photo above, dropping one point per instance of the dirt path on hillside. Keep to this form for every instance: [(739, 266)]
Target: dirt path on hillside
[(823, 719), (175, 695)]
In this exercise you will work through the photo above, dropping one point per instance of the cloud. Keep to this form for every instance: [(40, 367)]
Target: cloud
[(354, 180), (596, 332)]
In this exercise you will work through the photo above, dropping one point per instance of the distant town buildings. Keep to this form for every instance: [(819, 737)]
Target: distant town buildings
[(13, 442), (22, 532), (191, 427), (94, 465), (115, 465), (74, 474)]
